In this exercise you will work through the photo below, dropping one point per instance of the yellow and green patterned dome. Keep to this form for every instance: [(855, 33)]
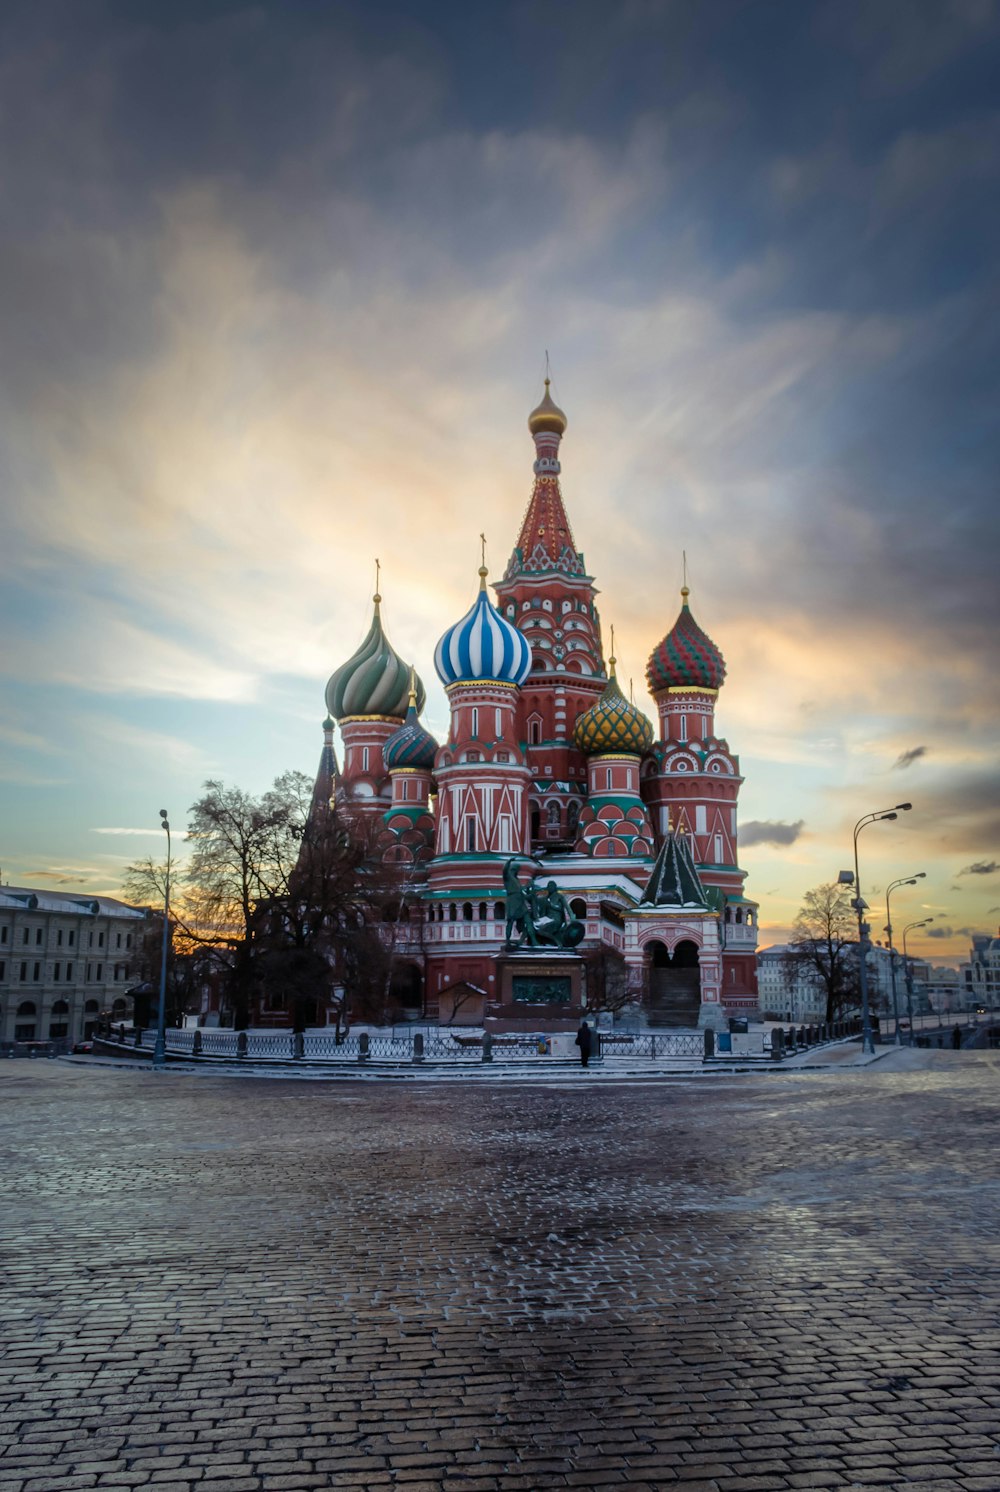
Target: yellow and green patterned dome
[(613, 724)]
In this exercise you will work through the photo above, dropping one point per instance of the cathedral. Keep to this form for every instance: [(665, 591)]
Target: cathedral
[(551, 780)]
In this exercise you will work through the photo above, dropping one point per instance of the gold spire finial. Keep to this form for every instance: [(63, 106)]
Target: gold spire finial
[(483, 572), (413, 687), (378, 572), (612, 659), (685, 592)]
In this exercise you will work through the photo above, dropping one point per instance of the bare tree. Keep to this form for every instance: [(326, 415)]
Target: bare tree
[(824, 946), (284, 896)]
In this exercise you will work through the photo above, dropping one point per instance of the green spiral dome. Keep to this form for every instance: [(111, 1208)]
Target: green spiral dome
[(374, 680)]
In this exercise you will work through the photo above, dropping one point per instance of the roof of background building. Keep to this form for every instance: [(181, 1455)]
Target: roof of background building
[(70, 903)]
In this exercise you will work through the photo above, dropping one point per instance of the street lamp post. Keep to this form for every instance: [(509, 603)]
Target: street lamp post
[(909, 970), (160, 1045), (903, 881), (867, 1044)]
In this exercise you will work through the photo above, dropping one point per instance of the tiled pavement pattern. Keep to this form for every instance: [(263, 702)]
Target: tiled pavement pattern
[(227, 1285)]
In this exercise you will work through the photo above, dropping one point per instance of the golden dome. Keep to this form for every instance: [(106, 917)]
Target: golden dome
[(548, 416)]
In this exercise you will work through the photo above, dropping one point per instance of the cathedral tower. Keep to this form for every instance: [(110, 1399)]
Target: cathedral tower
[(547, 593)]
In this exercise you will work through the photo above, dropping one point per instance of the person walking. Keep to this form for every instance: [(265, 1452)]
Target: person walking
[(585, 1041), (956, 1037)]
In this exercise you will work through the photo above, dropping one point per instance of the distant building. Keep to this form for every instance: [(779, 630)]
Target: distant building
[(65, 958), (793, 992), (981, 975)]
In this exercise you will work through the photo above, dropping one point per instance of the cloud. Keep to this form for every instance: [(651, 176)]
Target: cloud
[(907, 758), (949, 932), (981, 868), (768, 831), (155, 833)]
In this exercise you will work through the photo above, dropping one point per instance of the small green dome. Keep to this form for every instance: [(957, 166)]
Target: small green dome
[(613, 724), (374, 680)]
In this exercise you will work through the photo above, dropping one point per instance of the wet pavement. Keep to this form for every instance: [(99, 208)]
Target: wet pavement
[(778, 1281)]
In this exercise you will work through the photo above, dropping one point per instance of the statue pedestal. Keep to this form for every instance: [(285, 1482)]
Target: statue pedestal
[(544, 988)]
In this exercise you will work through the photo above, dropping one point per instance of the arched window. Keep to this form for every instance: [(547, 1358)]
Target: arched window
[(453, 913), (579, 908), (534, 731), (467, 911), (683, 727), (553, 815), (739, 918), (499, 911), (60, 1008), (475, 721), (572, 817), (483, 911), (26, 1007)]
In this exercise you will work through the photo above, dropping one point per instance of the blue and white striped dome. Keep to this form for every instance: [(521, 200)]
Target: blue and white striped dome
[(483, 646)]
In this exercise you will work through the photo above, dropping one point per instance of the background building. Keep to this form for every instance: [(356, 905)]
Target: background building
[(65, 959)]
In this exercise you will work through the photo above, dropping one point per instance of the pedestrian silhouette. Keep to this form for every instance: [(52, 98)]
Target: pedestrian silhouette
[(956, 1036), (584, 1040)]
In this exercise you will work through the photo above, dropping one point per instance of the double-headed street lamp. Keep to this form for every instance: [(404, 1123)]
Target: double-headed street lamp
[(860, 906), (909, 971), (903, 881), (160, 1045)]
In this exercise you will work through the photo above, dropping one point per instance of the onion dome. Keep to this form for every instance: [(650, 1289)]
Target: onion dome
[(374, 680), (410, 745), (547, 416), (613, 724), (687, 658), (483, 645)]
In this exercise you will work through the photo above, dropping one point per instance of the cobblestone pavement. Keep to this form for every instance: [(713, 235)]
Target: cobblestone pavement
[(225, 1285)]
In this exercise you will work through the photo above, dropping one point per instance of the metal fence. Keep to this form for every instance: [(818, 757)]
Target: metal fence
[(462, 1047)]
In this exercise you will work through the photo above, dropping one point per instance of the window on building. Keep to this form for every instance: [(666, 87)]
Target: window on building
[(69, 971), (3, 969), (704, 727), (483, 911), (72, 936), (100, 940), (572, 817), (36, 973), (453, 913), (499, 911), (553, 816), (59, 934), (55, 974), (503, 756), (100, 972), (607, 777), (718, 849), (534, 731), (701, 819), (118, 940), (683, 727), (24, 972), (475, 722), (364, 758), (3, 935), (128, 940), (470, 836), (497, 722), (90, 971), (27, 936)]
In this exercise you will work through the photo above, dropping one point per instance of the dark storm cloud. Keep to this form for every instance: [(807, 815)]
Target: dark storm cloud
[(907, 758), (981, 868), (765, 831)]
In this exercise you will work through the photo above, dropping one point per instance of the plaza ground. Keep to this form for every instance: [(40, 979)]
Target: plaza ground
[(783, 1280)]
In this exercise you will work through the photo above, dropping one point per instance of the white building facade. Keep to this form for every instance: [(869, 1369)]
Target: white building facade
[(66, 960)]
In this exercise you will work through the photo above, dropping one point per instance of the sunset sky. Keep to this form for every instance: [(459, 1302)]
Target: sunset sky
[(276, 286)]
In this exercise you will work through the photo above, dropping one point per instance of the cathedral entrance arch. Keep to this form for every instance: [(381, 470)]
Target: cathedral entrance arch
[(674, 985)]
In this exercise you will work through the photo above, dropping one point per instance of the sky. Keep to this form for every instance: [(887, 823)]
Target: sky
[(277, 282)]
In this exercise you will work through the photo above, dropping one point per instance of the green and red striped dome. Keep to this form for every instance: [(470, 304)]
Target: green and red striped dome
[(687, 658)]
